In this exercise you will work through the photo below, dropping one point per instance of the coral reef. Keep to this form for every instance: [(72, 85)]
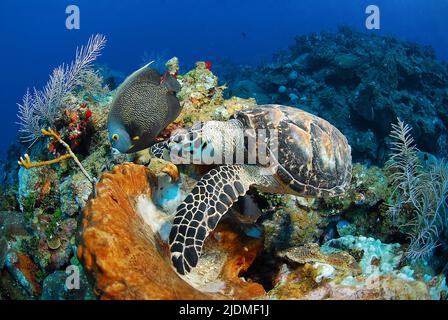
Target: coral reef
[(311, 253), (270, 246), (360, 83), (202, 98), (54, 288), (24, 271), (9, 182), (50, 197), (295, 221), (353, 268), (291, 224)]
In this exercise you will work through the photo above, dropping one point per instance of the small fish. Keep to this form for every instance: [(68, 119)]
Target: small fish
[(145, 103)]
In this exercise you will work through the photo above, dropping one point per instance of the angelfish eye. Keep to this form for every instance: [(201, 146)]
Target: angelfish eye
[(115, 137)]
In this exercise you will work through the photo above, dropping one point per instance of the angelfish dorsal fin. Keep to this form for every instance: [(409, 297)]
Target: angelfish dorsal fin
[(152, 74), (141, 69)]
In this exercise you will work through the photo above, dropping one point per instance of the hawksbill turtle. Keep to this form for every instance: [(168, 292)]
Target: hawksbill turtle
[(311, 158)]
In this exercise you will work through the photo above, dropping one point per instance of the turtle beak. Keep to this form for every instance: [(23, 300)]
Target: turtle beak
[(172, 144)]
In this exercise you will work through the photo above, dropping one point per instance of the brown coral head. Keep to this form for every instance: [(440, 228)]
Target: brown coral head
[(120, 252), (123, 254)]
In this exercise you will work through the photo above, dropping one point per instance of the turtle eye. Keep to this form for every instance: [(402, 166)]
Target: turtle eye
[(115, 137), (177, 139)]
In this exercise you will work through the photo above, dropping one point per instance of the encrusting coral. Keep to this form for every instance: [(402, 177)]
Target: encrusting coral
[(202, 98), (353, 268), (311, 253)]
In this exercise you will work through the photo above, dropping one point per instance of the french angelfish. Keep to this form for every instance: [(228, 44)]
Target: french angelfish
[(144, 105)]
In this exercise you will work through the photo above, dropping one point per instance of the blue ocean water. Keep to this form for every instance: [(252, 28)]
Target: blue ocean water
[(35, 40)]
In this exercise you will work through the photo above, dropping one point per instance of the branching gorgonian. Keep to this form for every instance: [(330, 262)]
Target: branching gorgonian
[(403, 165), (423, 190), (29, 124), (41, 108)]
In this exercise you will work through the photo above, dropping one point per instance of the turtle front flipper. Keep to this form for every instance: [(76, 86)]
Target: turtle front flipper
[(201, 211)]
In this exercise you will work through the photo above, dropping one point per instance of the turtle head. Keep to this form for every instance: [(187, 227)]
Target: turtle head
[(195, 145)]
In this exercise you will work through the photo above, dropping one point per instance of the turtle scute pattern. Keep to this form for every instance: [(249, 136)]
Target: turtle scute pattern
[(314, 157)]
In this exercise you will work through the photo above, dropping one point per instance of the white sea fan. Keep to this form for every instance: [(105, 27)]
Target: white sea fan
[(403, 164), (431, 214), (43, 107), (424, 189), (28, 121), (84, 59)]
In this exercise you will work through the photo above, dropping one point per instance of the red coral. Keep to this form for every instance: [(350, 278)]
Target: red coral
[(208, 65)]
